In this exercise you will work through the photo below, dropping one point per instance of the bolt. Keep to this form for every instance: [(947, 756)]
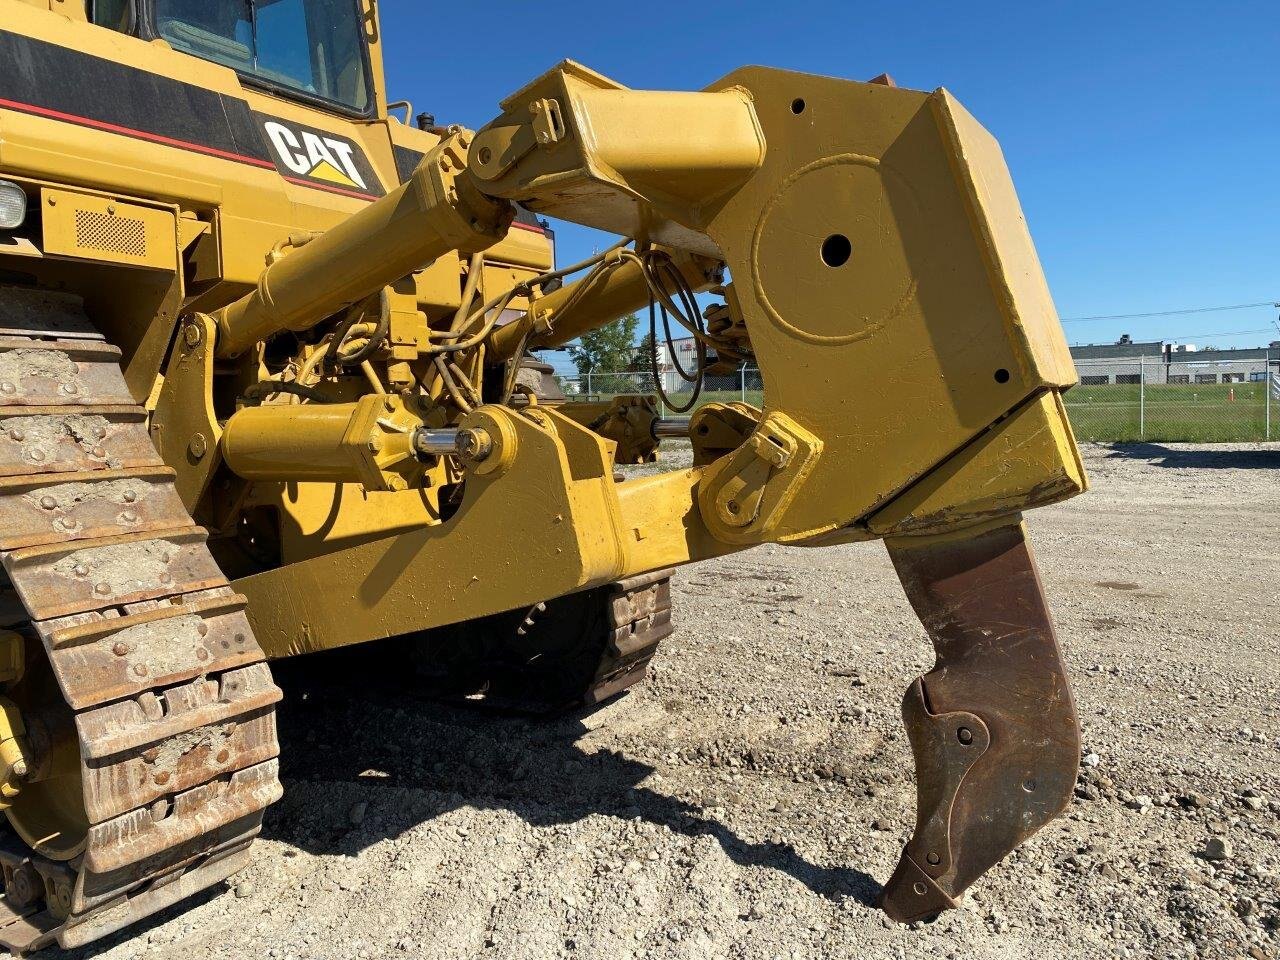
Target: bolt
[(19, 769), (166, 578), (100, 452), (36, 455), (8, 387), (202, 654), (162, 777), (203, 629), (100, 432), (129, 496), (111, 208), (120, 649), (70, 389), (53, 201), (129, 517), (140, 669), (920, 888), (49, 503), (80, 570), (192, 334), (223, 756), (102, 589), (151, 754), (965, 735), (933, 858), (17, 435), (198, 446)]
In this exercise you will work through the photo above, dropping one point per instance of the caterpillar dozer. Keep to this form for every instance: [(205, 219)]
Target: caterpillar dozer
[(266, 390)]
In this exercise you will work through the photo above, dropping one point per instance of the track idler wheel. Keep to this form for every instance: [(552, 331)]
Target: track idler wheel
[(993, 726)]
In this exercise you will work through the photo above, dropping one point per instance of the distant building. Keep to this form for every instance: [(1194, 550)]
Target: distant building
[(1163, 361)]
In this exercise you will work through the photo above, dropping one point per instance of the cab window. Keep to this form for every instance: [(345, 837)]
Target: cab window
[(314, 47)]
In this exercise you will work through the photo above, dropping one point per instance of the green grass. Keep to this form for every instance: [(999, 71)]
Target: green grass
[(1189, 413)]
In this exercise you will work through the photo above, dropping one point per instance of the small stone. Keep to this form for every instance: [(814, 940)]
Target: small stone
[(357, 813), (1217, 848), (1091, 760), (1192, 800), (244, 889), (1253, 803), (1087, 791), (757, 911)]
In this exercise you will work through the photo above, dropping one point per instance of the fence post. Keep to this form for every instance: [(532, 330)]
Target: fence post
[(1266, 395), (1142, 397), (588, 383), (742, 380)]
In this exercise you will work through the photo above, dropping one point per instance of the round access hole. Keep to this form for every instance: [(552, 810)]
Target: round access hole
[(797, 105), (1002, 375), (836, 250)]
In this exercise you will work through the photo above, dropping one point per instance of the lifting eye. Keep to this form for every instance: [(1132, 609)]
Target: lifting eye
[(836, 250)]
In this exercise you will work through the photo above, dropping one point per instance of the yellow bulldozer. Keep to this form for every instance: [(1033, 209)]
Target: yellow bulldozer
[(265, 391)]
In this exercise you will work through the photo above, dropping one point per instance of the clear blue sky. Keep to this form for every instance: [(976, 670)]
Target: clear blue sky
[(1143, 137)]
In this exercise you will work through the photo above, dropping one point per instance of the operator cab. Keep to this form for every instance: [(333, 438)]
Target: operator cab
[(312, 50)]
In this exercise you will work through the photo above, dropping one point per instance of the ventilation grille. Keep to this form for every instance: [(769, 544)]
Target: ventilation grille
[(101, 231)]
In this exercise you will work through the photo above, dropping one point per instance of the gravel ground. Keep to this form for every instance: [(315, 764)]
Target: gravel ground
[(748, 800)]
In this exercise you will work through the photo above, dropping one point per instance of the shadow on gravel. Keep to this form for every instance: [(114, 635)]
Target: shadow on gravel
[(348, 732), (1205, 457)]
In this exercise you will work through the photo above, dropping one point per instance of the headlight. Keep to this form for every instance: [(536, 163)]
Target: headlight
[(13, 205)]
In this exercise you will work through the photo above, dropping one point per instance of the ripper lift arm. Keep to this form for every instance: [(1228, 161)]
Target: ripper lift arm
[(882, 279)]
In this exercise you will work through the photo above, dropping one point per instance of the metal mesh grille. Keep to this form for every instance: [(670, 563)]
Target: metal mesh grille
[(101, 231)]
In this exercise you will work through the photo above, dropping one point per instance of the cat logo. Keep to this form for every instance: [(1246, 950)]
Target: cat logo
[(319, 158)]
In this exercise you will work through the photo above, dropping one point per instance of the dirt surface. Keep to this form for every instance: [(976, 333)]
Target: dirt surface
[(748, 801)]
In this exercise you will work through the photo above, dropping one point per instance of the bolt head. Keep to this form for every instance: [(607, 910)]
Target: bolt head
[(48, 503), (192, 334), (120, 649), (129, 496), (17, 435), (8, 387)]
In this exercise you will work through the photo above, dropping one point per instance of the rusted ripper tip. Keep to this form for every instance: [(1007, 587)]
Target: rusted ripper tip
[(992, 727)]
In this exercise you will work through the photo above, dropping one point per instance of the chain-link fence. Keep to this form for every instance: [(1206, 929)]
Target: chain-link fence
[(1185, 397), (743, 384), (1197, 400)]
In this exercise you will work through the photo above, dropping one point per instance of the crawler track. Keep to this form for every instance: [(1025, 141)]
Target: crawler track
[(165, 701)]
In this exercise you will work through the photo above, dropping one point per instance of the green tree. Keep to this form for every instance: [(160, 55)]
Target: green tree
[(645, 352), (607, 348)]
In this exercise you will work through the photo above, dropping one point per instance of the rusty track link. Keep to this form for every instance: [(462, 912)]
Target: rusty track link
[(173, 703)]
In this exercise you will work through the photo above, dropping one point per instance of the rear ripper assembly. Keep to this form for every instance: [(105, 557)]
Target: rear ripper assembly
[(266, 392)]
